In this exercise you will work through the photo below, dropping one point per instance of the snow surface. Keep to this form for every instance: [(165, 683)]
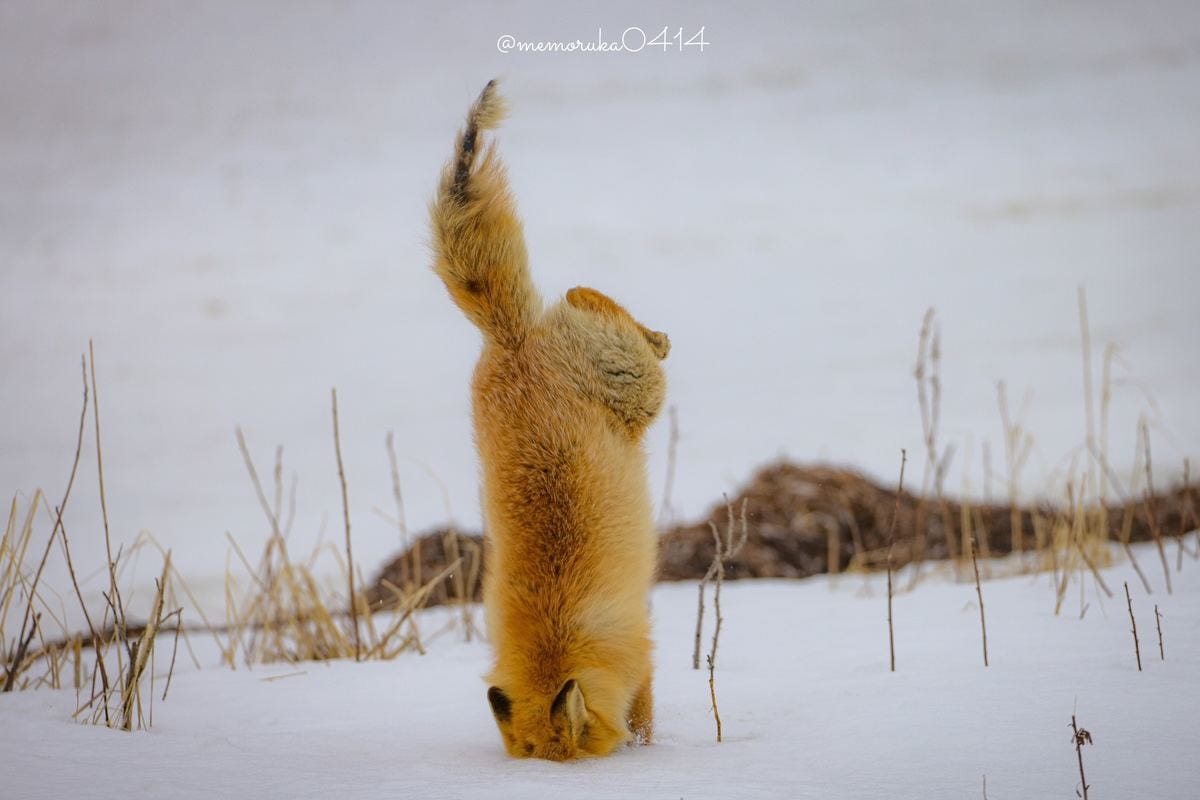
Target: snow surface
[(808, 705), (229, 198)]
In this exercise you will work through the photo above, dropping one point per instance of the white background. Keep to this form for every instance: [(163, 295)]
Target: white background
[(230, 199)]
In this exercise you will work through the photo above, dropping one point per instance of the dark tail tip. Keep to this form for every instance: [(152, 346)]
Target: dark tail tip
[(485, 113)]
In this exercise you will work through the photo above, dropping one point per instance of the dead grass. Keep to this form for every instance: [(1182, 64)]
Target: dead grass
[(281, 609), (112, 689), (278, 609)]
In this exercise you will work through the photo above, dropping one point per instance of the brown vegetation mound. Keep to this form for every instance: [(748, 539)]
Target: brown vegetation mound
[(428, 556), (807, 520)]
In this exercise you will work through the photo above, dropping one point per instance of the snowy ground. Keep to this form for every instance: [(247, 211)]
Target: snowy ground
[(229, 198), (809, 709)]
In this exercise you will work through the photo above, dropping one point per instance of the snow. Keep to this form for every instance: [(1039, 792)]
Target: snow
[(229, 199), (808, 706)]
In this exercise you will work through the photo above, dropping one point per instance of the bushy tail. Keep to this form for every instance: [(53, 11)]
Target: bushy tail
[(478, 244)]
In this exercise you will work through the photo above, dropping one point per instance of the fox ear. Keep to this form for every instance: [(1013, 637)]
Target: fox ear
[(501, 705), (586, 299), (568, 705)]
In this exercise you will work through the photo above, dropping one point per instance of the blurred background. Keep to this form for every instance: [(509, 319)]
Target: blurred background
[(229, 199)]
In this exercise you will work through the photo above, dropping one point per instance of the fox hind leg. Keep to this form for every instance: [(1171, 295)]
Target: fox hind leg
[(641, 713)]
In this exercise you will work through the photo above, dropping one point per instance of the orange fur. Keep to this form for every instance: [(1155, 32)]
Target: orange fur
[(561, 399)]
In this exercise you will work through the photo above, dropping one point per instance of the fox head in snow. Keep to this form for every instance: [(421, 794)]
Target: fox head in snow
[(558, 729)]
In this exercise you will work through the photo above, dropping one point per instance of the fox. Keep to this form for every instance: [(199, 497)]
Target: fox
[(561, 399)]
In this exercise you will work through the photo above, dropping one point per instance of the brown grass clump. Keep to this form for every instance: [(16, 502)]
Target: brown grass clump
[(809, 520), (428, 555), (806, 520), (121, 653), (282, 611)]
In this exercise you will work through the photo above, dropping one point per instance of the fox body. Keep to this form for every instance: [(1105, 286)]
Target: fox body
[(561, 399)]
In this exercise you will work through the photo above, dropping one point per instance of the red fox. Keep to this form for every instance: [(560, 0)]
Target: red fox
[(561, 399)]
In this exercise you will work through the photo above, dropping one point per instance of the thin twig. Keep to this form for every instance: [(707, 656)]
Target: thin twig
[(1095, 572), (1158, 624), (724, 552), (712, 692), (1085, 338), (718, 579), (891, 546), (337, 444), (1137, 649), (174, 649), (1151, 508), (258, 489), (1137, 568), (102, 668), (400, 523), (708, 575), (1080, 737), (979, 593), (118, 607)]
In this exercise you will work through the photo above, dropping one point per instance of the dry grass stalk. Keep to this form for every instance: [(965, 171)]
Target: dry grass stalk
[(667, 514), (1091, 565), (1137, 648), (410, 568), (712, 693), (1190, 514), (97, 649), (13, 549), (700, 618), (927, 373), (1085, 338), (141, 652), (353, 596), (891, 547), (1110, 353), (400, 522), (1080, 737), (928, 432), (114, 597), (77, 652), (178, 612), (285, 613), (410, 604), (979, 594), (461, 579), (1068, 544), (833, 550), (1158, 625), (1017, 446), (1151, 509), (1137, 568), (15, 662)]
